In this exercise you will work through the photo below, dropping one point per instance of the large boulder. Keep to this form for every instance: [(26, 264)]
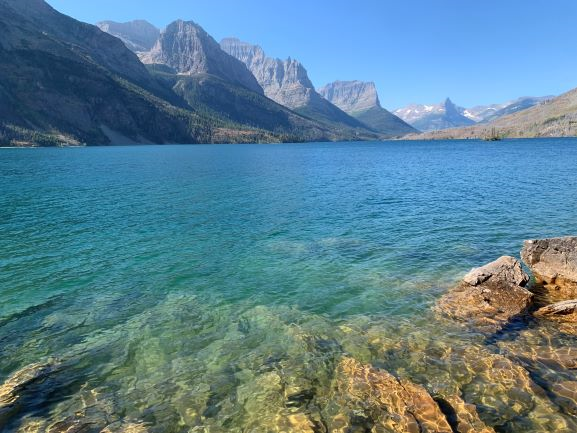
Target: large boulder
[(489, 296), (554, 264)]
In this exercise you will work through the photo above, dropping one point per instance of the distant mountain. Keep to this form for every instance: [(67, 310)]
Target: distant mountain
[(360, 100), (555, 117), (448, 115), (434, 117), (188, 49), (138, 35), (488, 113), (287, 82)]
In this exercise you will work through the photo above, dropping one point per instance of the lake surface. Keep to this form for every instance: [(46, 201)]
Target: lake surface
[(180, 285)]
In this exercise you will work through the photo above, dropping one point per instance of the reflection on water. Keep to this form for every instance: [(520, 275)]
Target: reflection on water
[(254, 289)]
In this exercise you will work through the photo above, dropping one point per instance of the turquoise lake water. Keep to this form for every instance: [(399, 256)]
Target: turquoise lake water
[(169, 280)]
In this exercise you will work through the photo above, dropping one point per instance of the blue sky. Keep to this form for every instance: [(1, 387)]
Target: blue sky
[(421, 51)]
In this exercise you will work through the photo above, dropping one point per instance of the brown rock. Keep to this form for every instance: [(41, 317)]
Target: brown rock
[(554, 263), (383, 402), (126, 428), (565, 311), (462, 416), (565, 394), (489, 296)]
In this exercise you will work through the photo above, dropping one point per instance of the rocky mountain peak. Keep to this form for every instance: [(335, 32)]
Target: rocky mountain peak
[(451, 109), (189, 49), (284, 81), (352, 96), (138, 35), (361, 100)]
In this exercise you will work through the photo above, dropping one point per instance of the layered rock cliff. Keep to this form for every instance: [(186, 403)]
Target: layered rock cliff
[(138, 35), (352, 96), (188, 49), (361, 100), (287, 82)]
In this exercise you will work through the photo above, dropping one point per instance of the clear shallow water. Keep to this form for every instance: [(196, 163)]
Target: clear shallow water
[(180, 285)]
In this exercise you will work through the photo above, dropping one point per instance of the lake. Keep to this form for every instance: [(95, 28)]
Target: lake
[(192, 287)]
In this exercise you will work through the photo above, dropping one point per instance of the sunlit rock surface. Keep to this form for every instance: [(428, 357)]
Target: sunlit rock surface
[(489, 296), (554, 263)]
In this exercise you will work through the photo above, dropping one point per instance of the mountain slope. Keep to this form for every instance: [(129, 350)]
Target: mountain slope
[(63, 81), (489, 113), (287, 83), (551, 118), (230, 103), (434, 117), (188, 49), (138, 35), (360, 100)]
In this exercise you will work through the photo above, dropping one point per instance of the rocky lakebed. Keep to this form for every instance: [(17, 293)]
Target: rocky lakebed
[(498, 353)]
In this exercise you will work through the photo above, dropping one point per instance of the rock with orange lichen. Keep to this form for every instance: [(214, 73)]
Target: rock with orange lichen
[(370, 399), (489, 296)]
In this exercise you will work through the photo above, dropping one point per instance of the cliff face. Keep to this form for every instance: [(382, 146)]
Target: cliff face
[(361, 100), (287, 83), (188, 49), (351, 96), (138, 35)]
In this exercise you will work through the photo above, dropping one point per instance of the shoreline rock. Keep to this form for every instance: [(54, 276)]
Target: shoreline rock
[(554, 264), (489, 296)]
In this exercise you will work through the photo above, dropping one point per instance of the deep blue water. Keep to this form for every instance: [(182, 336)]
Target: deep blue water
[(172, 250)]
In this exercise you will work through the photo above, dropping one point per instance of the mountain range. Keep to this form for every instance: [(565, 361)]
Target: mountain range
[(553, 117), (64, 82), (287, 82), (447, 115)]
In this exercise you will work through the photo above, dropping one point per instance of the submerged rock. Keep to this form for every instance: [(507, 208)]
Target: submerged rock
[(489, 296), (554, 263), (370, 399), (17, 385), (462, 417), (126, 428)]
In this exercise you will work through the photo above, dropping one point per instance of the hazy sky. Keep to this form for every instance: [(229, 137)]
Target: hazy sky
[(476, 52)]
